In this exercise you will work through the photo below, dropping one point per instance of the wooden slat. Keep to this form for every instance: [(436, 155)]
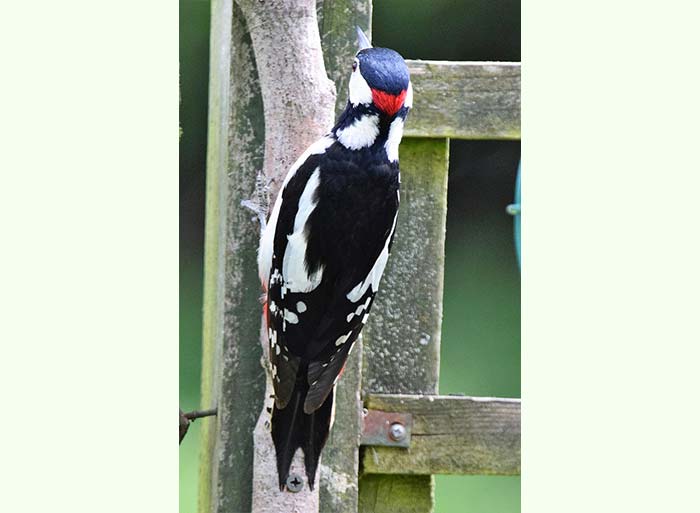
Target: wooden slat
[(232, 377), (402, 337), (450, 435), (465, 100)]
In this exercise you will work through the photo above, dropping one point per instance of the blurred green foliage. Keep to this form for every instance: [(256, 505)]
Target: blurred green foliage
[(481, 327)]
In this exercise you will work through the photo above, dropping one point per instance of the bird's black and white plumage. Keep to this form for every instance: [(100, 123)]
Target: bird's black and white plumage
[(324, 249)]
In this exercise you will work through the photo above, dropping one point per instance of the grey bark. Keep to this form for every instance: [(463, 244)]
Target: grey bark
[(298, 98)]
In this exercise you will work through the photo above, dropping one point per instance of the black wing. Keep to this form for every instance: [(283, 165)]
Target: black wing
[(348, 236)]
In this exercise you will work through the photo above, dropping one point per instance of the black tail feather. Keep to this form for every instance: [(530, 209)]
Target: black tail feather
[(316, 428), (292, 429)]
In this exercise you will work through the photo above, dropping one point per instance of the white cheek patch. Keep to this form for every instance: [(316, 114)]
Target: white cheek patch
[(361, 133), (360, 92)]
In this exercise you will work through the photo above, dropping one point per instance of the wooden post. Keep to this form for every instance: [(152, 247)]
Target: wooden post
[(232, 378), (402, 338)]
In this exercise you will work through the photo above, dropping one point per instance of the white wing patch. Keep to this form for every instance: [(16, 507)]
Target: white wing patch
[(296, 278), (361, 133), (267, 238), (375, 274)]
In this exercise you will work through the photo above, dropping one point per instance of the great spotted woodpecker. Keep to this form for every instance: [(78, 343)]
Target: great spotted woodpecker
[(324, 249)]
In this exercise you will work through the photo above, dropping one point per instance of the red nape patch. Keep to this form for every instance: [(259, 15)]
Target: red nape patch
[(388, 103)]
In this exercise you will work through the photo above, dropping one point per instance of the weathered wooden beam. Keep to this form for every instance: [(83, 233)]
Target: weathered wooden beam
[(465, 100), (232, 377), (450, 435), (402, 337)]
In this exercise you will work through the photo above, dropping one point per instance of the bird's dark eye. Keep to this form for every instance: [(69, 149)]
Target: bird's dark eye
[(354, 65)]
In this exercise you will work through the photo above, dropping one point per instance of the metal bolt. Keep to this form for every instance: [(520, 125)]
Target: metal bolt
[(397, 432), (294, 483)]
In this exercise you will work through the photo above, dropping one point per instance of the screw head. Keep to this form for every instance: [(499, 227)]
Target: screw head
[(397, 432), (294, 483)]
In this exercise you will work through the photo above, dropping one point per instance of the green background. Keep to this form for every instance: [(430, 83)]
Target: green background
[(481, 328)]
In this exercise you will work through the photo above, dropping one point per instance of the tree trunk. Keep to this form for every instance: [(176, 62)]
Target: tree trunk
[(298, 104), (298, 98)]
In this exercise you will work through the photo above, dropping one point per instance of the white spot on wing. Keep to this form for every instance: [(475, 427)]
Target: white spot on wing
[(342, 339), (276, 277), (301, 307), (359, 309), (294, 263), (290, 317)]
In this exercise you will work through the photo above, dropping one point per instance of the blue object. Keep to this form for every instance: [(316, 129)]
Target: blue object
[(514, 209)]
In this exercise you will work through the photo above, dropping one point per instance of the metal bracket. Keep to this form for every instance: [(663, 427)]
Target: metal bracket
[(388, 429)]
